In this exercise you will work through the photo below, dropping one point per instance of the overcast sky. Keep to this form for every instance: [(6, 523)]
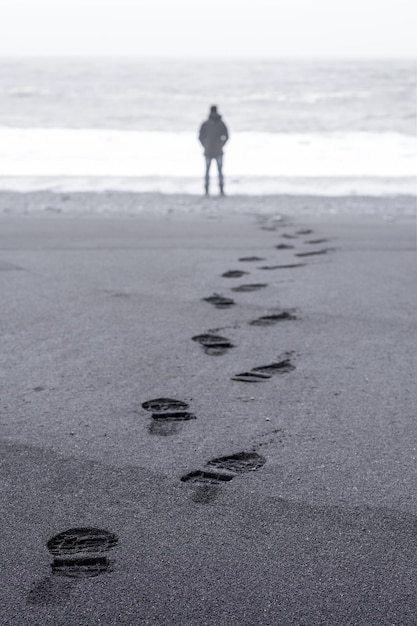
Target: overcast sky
[(209, 28)]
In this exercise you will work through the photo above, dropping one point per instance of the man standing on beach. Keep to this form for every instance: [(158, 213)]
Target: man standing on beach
[(213, 135)]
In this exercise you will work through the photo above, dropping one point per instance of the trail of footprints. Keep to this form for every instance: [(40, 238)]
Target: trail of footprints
[(80, 553), (223, 469)]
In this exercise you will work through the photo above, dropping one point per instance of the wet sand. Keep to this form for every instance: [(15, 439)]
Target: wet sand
[(280, 488)]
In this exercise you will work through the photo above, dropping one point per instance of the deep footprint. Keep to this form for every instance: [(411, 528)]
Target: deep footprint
[(281, 267), (213, 344), (79, 552), (264, 372), (284, 246), (164, 405), (317, 241), (220, 302), (251, 259), (252, 287), (167, 410), (167, 415), (234, 274), (81, 540), (219, 471), (312, 252), (268, 320), (282, 367), (239, 463)]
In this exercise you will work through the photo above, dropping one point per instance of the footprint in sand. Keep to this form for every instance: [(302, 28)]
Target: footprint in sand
[(249, 287), (317, 241), (265, 372), (234, 274), (284, 246), (167, 415), (78, 553), (220, 302), (312, 252), (215, 345), (221, 470), (251, 259), (119, 294), (281, 267), (268, 320), (288, 236)]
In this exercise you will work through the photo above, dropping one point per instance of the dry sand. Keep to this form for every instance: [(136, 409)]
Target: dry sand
[(98, 313)]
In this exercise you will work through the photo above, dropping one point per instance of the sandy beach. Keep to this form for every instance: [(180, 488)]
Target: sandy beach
[(280, 489)]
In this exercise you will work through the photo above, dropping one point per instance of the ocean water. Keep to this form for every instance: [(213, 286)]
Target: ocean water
[(295, 127)]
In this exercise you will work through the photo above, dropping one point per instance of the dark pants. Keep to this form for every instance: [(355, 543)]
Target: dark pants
[(219, 161)]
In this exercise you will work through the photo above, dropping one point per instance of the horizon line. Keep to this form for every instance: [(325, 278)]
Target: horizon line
[(196, 59)]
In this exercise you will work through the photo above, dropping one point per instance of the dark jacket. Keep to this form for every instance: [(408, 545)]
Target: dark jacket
[(213, 135)]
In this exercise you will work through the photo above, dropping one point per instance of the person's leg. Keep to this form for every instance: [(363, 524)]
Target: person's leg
[(207, 176), (219, 161)]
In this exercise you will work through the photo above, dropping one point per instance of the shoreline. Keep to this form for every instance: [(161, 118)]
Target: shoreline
[(337, 186), (129, 203)]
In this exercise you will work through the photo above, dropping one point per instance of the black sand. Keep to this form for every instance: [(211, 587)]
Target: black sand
[(98, 313)]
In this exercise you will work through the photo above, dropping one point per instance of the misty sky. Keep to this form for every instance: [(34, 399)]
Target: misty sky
[(209, 28)]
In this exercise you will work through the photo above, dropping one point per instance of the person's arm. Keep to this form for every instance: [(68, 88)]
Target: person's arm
[(225, 134), (202, 134)]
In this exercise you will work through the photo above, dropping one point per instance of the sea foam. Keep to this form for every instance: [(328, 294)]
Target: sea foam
[(147, 159)]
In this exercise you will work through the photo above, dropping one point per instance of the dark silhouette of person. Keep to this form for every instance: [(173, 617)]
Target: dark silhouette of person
[(213, 135)]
